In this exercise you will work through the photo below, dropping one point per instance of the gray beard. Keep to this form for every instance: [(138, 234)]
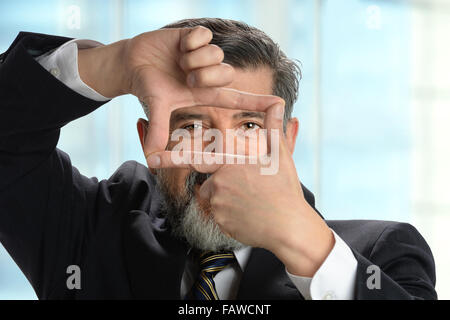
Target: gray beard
[(188, 221)]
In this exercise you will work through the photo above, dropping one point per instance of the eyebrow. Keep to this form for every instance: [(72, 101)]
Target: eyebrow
[(187, 116), (175, 118), (249, 114)]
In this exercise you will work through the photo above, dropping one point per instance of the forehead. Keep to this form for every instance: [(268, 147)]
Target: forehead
[(256, 81)]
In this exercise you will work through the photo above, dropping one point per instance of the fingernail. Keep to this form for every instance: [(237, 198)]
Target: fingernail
[(154, 161), (191, 80), (279, 112)]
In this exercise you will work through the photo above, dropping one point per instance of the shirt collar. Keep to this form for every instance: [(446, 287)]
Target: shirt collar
[(242, 255)]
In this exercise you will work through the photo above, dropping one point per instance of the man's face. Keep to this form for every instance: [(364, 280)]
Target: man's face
[(257, 81), (189, 216)]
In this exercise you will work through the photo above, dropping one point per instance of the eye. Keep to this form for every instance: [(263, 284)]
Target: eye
[(250, 126), (193, 126)]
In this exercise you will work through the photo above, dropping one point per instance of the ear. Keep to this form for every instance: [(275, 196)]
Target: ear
[(142, 128), (291, 133)]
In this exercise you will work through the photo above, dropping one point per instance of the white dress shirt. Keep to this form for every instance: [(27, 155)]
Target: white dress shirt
[(336, 277)]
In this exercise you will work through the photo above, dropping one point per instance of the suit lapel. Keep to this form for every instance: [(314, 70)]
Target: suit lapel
[(154, 259), (265, 278)]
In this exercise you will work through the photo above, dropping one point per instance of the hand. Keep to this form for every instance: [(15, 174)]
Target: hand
[(166, 69), (270, 211)]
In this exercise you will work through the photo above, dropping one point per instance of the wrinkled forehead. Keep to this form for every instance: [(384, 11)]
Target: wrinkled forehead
[(254, 80)]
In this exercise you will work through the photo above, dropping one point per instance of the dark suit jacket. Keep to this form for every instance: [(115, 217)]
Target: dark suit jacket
[(51, 216)]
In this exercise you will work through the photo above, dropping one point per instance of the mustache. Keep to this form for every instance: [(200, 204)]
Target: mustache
[(195, 178)]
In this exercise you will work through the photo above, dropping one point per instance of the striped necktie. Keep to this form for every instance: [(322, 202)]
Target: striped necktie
[(210, 264)]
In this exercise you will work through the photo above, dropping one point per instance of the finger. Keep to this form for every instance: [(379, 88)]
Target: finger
[(195, 38), (218, 75), (159, 115), (206, 189), (205, 56), (232, 99), (206, 162), (158, 131)]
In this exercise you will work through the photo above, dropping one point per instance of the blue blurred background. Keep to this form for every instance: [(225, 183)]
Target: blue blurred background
[(373, 105)]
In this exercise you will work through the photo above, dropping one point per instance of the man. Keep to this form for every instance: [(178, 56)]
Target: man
[(171, 231)]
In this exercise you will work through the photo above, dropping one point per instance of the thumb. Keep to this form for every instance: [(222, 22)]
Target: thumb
[(158, 129), (273, 122)]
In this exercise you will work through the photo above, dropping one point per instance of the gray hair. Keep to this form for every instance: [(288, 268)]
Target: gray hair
[(248, 47), (187, 219)]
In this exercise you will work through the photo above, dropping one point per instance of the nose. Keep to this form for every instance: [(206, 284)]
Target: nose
[(250, 143)]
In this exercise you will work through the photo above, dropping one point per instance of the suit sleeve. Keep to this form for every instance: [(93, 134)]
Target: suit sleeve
[(44, 201), (63, 64), (400, 267)]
